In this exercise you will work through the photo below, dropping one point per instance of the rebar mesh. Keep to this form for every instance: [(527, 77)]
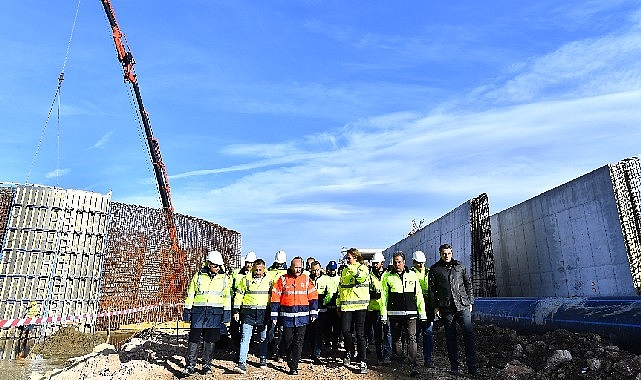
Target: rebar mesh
[(625, 181), (482, 260), (141, 270)]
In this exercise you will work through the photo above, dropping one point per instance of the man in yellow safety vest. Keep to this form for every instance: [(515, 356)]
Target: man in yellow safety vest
[(401, 304), (251, 310)]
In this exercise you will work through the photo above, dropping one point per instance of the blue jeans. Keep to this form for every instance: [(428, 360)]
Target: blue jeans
[(246, 331), (428, 340), (464, 319)]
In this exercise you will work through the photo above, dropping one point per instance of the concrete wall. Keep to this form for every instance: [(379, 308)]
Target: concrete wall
[(452, 228), (467, 230), (565, 242)]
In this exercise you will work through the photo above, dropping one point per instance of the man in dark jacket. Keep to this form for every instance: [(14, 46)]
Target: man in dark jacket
[(451, 290)]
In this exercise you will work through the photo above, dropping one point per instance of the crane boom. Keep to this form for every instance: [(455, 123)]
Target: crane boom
[(127, 61)]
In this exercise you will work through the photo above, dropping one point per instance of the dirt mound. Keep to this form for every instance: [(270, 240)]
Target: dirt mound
[(503, 354), (68, 342), (559, 354)]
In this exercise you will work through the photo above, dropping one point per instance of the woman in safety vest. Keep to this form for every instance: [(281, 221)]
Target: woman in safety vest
[(208, 308), (353, 299)]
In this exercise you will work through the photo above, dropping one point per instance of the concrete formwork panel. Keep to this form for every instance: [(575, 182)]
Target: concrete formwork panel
[(467, 230), (52, 251), (75, 252), (567, 241)]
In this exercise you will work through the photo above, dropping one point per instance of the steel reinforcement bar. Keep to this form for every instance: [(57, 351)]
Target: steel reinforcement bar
[(139, 269), (482, 258), (626, 177)]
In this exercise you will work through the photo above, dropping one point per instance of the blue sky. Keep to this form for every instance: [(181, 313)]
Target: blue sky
[(312, 125)]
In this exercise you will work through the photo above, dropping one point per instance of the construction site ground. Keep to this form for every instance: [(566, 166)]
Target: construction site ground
[(502, 354)]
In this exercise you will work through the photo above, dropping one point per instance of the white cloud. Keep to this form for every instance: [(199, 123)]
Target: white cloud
[(57, 173), (103, 140)]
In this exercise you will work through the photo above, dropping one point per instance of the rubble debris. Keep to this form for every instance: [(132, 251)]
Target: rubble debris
[(152, 354)]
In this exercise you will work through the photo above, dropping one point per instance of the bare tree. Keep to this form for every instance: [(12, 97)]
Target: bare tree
[(416, 226)]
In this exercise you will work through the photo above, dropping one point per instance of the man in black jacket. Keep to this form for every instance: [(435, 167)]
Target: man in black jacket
[(451, 290)]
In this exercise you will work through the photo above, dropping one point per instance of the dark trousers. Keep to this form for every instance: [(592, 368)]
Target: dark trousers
[(358, 318), (373, 323), (464, 319), (209, 335), (403, 327), (293, 338), (320, 333), (326, 330)]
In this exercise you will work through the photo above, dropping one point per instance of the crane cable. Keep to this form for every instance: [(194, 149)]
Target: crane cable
[(56, 96)]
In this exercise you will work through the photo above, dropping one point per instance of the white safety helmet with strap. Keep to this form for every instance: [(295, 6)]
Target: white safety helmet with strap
[(215, 257), (281, 257), (418, 256), (251, 257), (378, 258)]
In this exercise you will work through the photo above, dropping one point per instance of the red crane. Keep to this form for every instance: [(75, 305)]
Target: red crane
[(127, 61)]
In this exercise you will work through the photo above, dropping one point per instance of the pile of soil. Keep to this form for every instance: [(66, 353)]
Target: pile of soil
[(68, 342), (502, 354)]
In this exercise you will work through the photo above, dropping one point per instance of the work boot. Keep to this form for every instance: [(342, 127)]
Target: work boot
[(192, 352), (363, 368), (263, 363), (347, 359), (240, 368), (208, 349)]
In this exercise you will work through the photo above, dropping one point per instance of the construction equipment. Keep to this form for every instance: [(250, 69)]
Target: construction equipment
[(127, 61)]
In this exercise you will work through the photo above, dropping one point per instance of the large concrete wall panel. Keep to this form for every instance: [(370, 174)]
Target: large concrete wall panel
[(565, 242), (452, 228), (467, 230)]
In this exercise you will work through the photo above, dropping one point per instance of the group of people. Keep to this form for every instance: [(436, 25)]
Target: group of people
[(354, 304)]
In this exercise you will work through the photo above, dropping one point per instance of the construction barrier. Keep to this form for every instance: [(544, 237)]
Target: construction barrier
[(7, 323)]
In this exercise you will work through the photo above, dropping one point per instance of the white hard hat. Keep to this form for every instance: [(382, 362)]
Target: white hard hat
[(419, 257), (281, 257), (378, 257), (251, 257), (215, 257)]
